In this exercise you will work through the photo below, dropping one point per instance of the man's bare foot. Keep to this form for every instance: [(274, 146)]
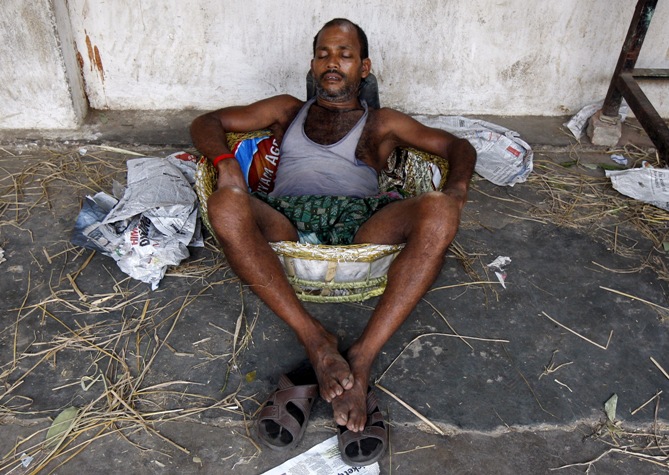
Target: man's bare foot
[(332, 370), (350, 408)]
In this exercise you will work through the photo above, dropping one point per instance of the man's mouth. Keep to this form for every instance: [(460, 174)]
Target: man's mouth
[(332, 76)]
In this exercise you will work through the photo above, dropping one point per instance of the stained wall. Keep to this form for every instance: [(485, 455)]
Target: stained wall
[(445, 57)]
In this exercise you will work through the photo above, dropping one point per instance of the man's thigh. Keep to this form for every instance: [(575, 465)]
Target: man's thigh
[(390, 225), (432, 214), (273, 225), (232, 210)]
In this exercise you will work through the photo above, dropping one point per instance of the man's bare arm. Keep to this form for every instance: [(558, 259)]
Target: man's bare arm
[(461, 156), (208, 131)]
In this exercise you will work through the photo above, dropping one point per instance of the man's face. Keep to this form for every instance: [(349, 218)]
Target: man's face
[(337, 66)]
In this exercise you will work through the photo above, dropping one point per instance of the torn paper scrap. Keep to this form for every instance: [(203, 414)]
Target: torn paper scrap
[(26, 460), (498, 267), (619, 159), (500, 262), (323, 458), (650, 185)]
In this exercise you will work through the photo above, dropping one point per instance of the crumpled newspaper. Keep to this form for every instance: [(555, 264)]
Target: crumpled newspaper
[(152, 224), (647, 184), (503, 158), (578, 124)]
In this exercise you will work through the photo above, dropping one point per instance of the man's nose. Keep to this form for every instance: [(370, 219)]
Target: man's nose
[(333, 63)]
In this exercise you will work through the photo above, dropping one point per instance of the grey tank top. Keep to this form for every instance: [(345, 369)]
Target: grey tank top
[(308, 168)]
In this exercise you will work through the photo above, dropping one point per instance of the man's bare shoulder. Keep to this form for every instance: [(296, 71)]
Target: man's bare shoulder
[(386, 113), (386, 123), (284, 106), (391, 128), (388, 118), (284, 101)]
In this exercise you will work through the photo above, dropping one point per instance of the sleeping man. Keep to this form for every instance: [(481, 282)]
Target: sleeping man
[(333, 146)]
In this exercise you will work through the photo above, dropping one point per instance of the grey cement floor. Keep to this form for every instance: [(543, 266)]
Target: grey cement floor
[(526, 397)]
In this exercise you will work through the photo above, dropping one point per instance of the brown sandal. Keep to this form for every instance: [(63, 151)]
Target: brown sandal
[(282, 421), (369, 445)]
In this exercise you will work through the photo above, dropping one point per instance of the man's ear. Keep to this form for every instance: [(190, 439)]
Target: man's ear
[(366, 67), (311, 67)]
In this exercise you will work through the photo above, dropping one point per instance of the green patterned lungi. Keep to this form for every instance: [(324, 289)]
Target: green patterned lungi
[(328, 219)]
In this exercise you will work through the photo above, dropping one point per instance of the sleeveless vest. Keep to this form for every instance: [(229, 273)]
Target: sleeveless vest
[(308, 168)]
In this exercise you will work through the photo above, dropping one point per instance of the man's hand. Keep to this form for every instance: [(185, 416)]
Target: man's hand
[(461, 157), (230, 174)]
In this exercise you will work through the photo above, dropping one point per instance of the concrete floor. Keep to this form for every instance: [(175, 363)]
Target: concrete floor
[(531, 401)]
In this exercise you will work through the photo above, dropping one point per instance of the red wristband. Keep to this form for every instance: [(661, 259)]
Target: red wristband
[(220, 158)]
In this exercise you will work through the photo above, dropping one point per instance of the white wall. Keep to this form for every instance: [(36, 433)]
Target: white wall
[(40, 84), (513, 57)]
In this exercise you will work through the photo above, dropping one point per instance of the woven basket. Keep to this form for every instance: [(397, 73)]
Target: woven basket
[(353, 273)]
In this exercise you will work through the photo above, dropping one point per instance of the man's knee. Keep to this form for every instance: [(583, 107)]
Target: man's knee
[(226, 206), (435, 217), (234, 214)]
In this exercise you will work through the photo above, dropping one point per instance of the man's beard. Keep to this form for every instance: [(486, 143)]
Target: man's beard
[(343, 94)]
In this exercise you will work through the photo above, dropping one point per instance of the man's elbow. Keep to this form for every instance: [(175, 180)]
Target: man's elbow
[(203, 126), (462, 154), (467, 150), (196, 126), (201, 122)]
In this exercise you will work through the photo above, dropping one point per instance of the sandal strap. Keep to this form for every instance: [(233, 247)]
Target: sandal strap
[(275, 409), (372, 402), (282, 418), (371, 431), (300, 396)]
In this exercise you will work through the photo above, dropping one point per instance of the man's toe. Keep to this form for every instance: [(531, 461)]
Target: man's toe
[(327, 395), (341, 418), (347, 382), (356, 424)]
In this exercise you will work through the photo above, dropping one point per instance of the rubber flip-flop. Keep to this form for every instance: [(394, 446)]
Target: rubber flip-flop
[(283, 419), (368, 446)]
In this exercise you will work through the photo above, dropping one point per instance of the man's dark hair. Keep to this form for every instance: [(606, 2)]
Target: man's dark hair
[(362, 37)]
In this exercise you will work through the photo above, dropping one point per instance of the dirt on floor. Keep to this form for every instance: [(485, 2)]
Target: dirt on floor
[(170, 380)]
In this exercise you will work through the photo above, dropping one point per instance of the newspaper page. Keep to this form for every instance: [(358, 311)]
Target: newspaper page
[(503, 158), (323, 459), (647, 184), (152, 224)]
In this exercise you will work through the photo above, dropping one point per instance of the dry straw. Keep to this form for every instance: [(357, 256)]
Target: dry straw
[(123, 351), (578, 197)]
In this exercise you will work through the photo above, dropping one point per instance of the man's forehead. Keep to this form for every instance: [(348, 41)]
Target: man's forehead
[(340, 36)]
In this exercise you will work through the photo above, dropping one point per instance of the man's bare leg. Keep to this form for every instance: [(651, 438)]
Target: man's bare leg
[(427, 224), (244, 226)]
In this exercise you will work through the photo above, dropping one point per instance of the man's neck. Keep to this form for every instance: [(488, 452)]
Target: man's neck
[(326, 124), (340, 106)]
